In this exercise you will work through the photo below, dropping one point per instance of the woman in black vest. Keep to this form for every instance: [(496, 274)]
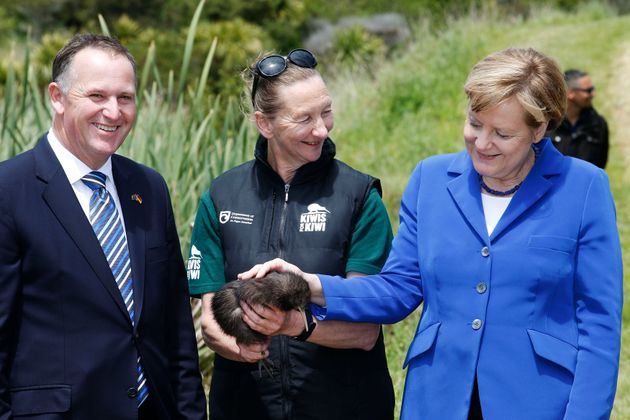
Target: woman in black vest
[(295, 201)]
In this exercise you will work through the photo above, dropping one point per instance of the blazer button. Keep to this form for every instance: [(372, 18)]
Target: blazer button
[(481, 287), (485, 251), (132, 392), (476, 324)]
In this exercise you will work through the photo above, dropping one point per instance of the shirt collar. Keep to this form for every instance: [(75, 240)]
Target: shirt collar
[(305, 172), (74, 168)]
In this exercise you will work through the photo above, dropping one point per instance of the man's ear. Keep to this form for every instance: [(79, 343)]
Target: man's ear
[(56, 97), (263, 124)]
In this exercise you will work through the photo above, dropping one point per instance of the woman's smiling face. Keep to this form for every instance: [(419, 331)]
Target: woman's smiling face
[(298, 130), (499, 142)]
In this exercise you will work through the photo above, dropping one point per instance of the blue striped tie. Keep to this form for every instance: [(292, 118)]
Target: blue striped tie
[(109, 231)]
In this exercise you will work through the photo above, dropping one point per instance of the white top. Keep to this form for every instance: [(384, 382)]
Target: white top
[(493, 209), (75, 169)]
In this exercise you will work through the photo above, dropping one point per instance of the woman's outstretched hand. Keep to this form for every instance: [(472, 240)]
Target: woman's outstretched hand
[(261, 270)]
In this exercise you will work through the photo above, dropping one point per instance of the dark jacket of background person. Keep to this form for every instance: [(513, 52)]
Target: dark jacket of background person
[(262, 220), (67, 346), (586, 140)]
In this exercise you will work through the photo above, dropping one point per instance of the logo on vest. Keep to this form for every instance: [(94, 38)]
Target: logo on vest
[(233, 217), (315, 219), (193, 268), (224, 216)]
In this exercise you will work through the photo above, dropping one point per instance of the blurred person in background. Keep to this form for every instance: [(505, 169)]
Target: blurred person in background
[(295, 201), (513, 250), (583, 133)]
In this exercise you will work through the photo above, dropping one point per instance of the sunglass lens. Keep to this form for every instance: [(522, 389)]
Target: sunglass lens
[(302, 58), (271, 66)]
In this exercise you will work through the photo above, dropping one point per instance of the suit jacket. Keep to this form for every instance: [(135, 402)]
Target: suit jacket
[(67, 346), (533, 310)]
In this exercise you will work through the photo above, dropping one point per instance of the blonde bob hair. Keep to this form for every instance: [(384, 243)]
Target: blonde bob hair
[(534, 79)]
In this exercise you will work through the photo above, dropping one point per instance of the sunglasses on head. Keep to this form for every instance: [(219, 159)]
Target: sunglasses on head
[(587, 90), (273, 65)]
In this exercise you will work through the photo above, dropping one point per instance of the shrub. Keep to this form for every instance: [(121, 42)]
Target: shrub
[(239, 43), (356, 47), (45, 53)]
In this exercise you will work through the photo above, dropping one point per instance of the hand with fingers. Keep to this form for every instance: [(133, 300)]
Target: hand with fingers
[(253, 352), (261, 270), (272, 321), (253, 310)]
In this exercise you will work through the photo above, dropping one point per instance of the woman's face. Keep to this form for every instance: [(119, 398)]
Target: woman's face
[(297, 133), (499, 143)]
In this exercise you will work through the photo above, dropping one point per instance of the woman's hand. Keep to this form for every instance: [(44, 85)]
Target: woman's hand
[(272, 321), (261, 270), (254, 352)]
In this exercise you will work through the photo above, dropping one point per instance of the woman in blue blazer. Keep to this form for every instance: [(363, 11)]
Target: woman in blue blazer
[(514, 252)]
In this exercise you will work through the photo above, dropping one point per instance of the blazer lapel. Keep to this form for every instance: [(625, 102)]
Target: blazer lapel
[(464, 189), (133, 213), (61, 199), (534, 187)]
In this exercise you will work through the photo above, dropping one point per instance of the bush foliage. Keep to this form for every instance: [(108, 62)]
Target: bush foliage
[(244, 28)]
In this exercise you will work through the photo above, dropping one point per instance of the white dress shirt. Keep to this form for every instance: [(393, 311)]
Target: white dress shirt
[(493, 209), (75, 169)]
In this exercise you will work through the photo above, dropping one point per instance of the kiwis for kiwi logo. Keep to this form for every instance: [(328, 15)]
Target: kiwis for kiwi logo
[(314, 220), (193, 268)]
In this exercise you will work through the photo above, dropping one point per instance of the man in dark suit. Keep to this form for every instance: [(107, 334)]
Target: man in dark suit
[(95, 321)]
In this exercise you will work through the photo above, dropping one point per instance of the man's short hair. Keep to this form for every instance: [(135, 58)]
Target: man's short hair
[(571, 77), (63, 59)]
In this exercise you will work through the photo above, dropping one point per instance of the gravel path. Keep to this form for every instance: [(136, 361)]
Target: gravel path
[(618, 114)]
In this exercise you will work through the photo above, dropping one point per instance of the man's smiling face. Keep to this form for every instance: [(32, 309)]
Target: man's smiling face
[(97, 112)]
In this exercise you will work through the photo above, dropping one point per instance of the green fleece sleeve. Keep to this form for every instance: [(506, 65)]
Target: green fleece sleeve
[(205, 268), (371, 238)]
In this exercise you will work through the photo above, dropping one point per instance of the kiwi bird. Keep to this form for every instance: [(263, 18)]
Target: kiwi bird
[(285, 291)]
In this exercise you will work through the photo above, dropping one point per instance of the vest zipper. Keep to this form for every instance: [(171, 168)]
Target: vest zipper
[(285, 367), (283, 219)]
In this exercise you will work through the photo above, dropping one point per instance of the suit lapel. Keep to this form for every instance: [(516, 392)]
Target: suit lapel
[(464, 189), (61, 199), (534, 187), (133, 213)]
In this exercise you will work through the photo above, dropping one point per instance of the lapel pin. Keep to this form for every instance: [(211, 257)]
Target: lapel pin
[(136, 197)]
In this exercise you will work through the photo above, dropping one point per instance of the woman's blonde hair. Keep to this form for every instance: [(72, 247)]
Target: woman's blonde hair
[(534, 79)]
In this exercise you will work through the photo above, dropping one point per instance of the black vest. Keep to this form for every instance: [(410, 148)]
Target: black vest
[(308, 223)]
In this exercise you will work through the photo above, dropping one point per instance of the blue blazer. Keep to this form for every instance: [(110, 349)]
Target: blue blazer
[(67, 346), (533, 310)]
